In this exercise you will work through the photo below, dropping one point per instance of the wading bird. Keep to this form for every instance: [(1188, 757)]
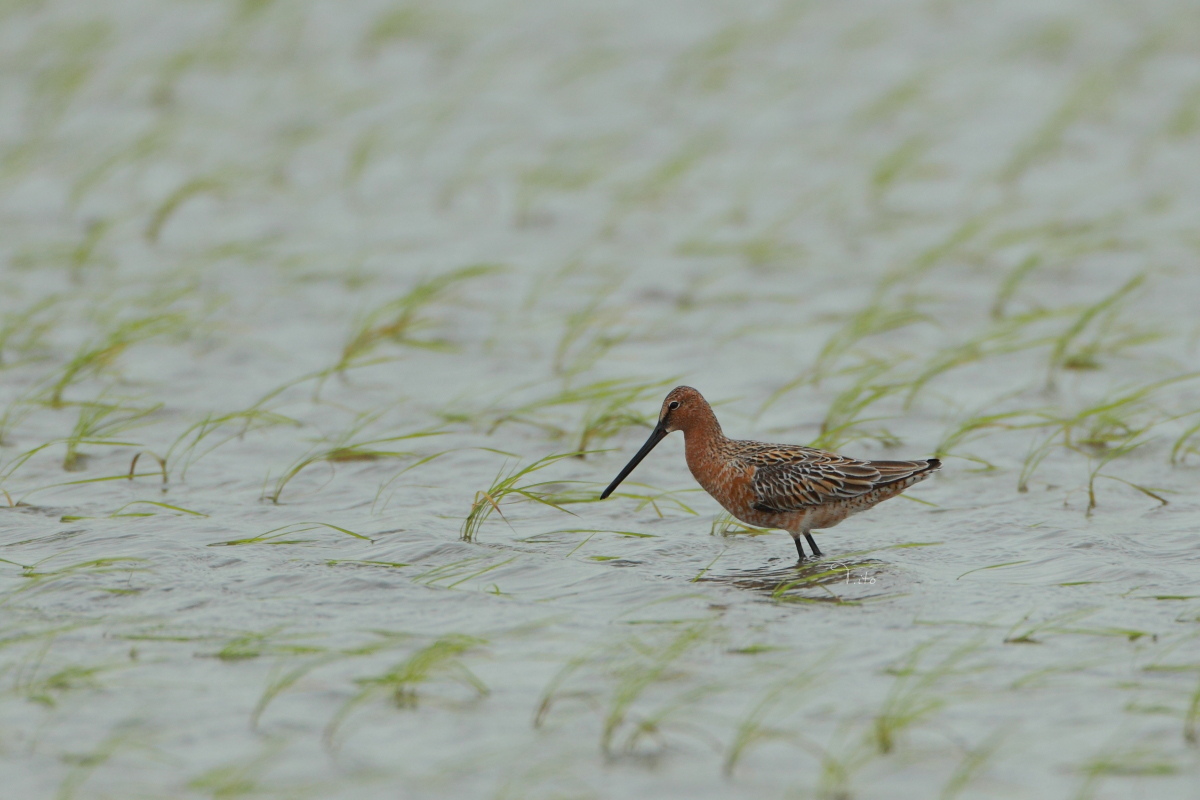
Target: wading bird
[(786, 486)]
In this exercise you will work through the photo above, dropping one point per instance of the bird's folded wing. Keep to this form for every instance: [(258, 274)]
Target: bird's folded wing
[(786, 479)]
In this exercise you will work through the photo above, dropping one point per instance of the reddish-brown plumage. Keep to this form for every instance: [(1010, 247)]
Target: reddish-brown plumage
[(795, 488)]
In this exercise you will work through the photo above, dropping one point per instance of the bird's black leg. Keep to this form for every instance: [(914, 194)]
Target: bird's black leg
[(799, 547), (816, 550)]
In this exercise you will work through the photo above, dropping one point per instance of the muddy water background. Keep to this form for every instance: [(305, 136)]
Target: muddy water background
[(899, 219)]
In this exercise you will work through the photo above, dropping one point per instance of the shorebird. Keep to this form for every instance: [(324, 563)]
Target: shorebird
[(785, 486)]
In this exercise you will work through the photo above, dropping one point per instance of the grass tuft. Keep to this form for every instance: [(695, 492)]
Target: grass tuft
[(1068, 352), (440, 661), (398, 321), (508, 487), (348, 447), (913, 695), (96, 355), (780, 697)]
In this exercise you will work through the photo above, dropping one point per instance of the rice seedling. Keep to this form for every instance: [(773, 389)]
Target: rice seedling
[(97, 424), (22, 331), (1117, 418), (992, 566), (61, 61), (609, 406), (974, 761), (1091, 92), (380, 503), (36, 683), (1107, 424), (842, 422), (85, 254), (554, 690), (186, 449), (661, 179), (508, 487), (588, 335), (1138, 760), (333, 562), (702, 290), (653, 725), (567, 166), (1021, 633), (348, 447), (1185, 121), (1129, 634), (121, 512), (912, 697), (125, 476), (245, 776), (15, 413), (471, 170), (1109, 455), (162, 464), (875, 319), (97, 354), (459, 571), (606, 417), (1002, 338), (1051, 41), (1180, 450), (699, 575), (253, 644), (1191, 720), (1011, 283), (282, 679), (837, 771), (657, 496), (22, 629), (398, 320), (778, 700), (1068, 353), (215, 184), (137, 150), (838, 761), (711, 63), (635, 666), (430, 23), (769, 248), (39, 579), (1040, 677), (899, 97), (974, 427), (549, 535), (901, 161), (275, 535), (362, 153), (725, 524), (932, 256), (74, 257), (437, 662), (82, 765)]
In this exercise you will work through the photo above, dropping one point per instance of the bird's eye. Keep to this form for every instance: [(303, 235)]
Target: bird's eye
[(673, 404)]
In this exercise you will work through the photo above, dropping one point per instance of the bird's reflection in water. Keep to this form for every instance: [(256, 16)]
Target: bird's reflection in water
[(827, 580)]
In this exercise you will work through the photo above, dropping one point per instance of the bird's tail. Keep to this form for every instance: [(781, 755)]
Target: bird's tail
[(905, 472)]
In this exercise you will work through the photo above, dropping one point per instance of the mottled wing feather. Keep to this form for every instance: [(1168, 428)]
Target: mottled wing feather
[(787, 478)]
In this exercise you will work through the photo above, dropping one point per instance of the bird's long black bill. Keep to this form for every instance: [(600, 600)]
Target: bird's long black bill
[(655, 437)]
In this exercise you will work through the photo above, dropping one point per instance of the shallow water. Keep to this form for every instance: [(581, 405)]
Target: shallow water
[(892, 218)]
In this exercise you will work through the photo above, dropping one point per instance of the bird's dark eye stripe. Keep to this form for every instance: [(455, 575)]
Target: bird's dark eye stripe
[(674, 404)]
